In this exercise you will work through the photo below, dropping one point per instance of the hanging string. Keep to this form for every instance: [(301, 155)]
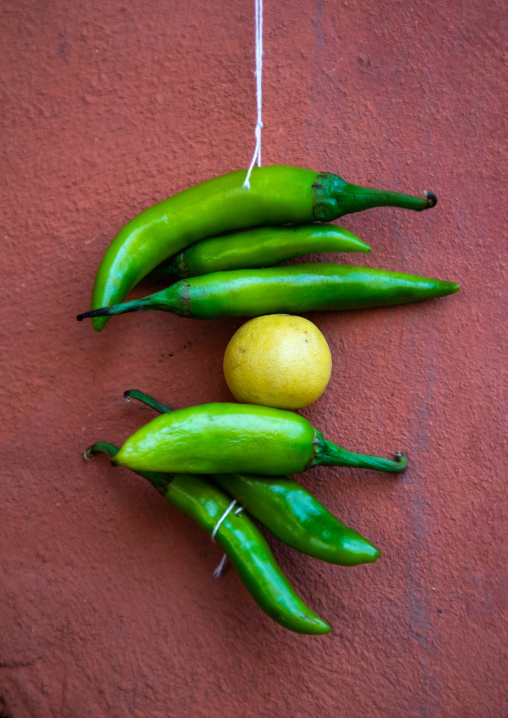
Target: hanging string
[(218, 571), (259, 71)]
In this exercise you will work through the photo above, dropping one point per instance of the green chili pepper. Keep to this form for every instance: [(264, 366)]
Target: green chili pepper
[(242, 542), (238, 438), (289, 511), (292, 290), (260, 247), (277, 195), (297, 518)]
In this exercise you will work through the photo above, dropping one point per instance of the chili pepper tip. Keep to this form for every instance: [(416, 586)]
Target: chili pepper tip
[(80, 317), (401, 459), (431, 198), (92, 313)]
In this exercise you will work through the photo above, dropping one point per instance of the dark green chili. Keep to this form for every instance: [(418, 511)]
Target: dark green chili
[(297, 518), (277, 195), (292, 290), (242, 542)]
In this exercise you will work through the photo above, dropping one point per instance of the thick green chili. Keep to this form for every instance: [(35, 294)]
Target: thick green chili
[(260, 247), (289, 511), (238, 438), (277, 195), (292, 290), (242, 542)]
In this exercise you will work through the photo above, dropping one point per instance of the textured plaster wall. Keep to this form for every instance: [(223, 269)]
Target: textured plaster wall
[(108, 607)]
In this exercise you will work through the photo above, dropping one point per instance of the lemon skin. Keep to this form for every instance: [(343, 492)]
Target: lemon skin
[(278, 360)]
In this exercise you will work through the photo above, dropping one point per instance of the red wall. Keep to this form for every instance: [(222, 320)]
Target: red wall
[(108, 604)]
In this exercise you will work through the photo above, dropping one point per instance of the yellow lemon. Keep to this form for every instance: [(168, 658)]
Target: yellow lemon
[(278, 360)]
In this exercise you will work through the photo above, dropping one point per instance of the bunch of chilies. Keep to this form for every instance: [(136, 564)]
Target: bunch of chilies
[(223, 463)]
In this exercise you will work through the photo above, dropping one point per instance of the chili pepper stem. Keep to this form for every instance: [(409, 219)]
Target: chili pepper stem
[(333, 455), (354, 198), (101, 447), (137, 305), (159, 480), (147, 400), (431, 198)]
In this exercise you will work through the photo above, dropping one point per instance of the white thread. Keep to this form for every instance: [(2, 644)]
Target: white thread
[(218, 570), (226, 512), (259, 72)]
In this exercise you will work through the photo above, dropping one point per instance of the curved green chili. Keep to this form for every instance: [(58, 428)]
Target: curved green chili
[(292, 290), (260, 247), (238, 438), (297, 518), (277, 195), (290, 512), (242, 542)]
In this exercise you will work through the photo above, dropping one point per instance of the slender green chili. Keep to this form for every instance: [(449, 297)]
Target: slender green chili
[(289, 511), (242, 542), (292, 290), (277, 195), (260, 247), (238, 438)]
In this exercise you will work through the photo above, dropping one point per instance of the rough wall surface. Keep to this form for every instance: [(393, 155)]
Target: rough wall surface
[(108, 604)]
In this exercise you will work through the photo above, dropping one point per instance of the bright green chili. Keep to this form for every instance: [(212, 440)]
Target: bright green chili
[(238, 438), (260, 247), (277, 195), (289, 511), (242, 542), (292, 290)]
